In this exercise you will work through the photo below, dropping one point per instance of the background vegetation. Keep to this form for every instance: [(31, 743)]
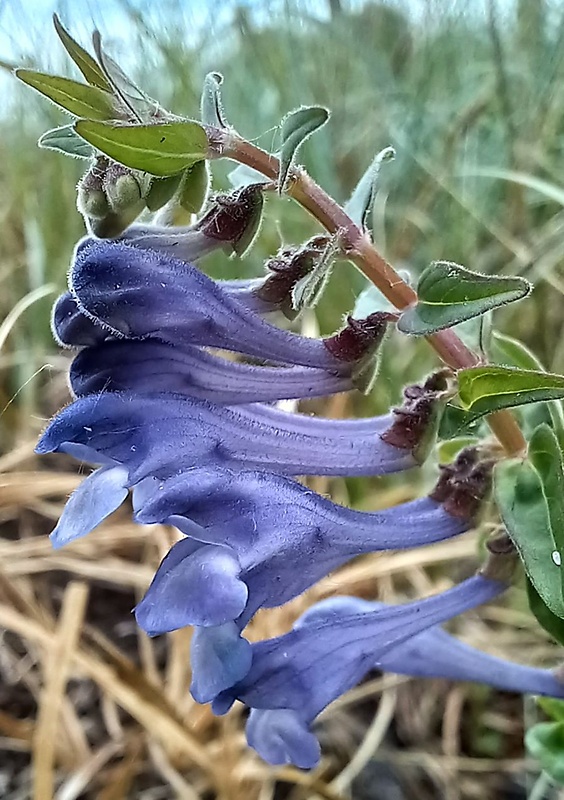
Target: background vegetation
[(472, 99)]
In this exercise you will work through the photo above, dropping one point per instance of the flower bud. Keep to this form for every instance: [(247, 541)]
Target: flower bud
[(109, 196)]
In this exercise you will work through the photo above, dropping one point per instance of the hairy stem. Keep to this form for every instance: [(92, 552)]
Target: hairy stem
[(226, 144)]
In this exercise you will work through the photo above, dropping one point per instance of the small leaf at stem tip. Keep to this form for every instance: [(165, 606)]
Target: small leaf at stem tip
[(295, 128), (523, 508), (83, 60), (66, 140), (449, 294), (545, 741), (359, 205), (162, 149), (132, 96), (211, 107), (483, 390), (79, 99)]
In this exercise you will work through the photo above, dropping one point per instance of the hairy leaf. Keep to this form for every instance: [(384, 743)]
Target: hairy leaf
[(161, 191), (66, 140), (522, 504), (83, 60), (483, 390), (449, 294), (211, 107), (163, 149), (359, 205), (545, 617), (78, 99), (296, 127)]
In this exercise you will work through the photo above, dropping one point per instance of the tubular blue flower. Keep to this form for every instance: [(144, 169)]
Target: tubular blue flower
[(162, 434), (436, 654), (258, 526), (138, 294), (294, 677), (72, 328), (140, 366), (252, 530)]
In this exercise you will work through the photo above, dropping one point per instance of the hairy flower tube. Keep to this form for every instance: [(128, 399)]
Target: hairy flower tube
[(286, 698), (137, 294), (293, 677), (246, 532)]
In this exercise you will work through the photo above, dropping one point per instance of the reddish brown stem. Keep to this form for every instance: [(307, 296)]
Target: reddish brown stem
[(328, 213)]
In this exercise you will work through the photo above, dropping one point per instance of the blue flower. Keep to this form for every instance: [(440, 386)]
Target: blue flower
[(292, 678), (137, 293), (247, 532)]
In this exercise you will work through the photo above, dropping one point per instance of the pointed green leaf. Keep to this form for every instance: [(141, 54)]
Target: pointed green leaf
[(161, 191), (78, 99), (545, 617), (83, 60), (163, 149), (296, 127), (449, 294), (66, 140), (211, 107), (194, 187), (359, 205), (482, 390), (546, 458), (521, 502), (545, 741), (132, 96)]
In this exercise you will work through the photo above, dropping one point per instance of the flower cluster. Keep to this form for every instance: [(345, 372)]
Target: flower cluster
[(198, 440)]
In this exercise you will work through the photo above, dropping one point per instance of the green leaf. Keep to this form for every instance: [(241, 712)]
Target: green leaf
[(371, 299), (161, 191), (296, 127), (545, 742), (211, 107), (522, 505), (546, 458), (552, 708), (163, 149), (449, 294), (132, 96), (507, 350), (361, 202), (83, 60), (545, 617), (78, 99), (194, 187), (66, 140), (483, 390)]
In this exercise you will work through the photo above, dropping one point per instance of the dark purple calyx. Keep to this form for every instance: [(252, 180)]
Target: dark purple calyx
[(235, 217), (465, 484), (288, 267), (416, 422), (360, 338)]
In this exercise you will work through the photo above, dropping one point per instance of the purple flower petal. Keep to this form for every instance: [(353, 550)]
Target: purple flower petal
[(72, 328), (100, 494), (220, 657), (280, 736), (194, 581)]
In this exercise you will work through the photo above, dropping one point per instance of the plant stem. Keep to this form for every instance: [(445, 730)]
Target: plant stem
[(226, 144)]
